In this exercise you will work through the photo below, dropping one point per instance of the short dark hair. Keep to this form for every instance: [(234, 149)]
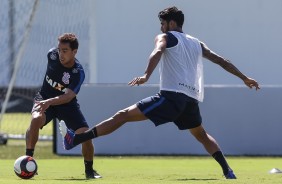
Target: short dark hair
[(69, 38), (172, 13)]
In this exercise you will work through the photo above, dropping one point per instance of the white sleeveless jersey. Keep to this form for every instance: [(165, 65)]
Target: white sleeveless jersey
[(181, 67)]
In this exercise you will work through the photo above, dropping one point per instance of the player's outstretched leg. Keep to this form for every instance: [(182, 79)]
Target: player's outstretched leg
[(213, 149), (67, 135)]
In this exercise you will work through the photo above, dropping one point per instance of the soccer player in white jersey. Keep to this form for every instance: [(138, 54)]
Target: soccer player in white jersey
[(181, 88)]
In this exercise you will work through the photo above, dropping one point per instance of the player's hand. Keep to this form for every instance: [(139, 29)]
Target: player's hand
[(251, 83), (138, 81), (41, 106)]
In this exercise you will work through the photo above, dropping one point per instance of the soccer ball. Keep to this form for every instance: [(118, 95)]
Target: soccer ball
[(25, 167)]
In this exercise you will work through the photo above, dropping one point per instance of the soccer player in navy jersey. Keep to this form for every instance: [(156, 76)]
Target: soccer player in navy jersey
[(181, 88), (57, 98)]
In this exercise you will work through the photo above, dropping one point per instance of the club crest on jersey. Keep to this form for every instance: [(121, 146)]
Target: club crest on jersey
[(66, 78), (53, 55)]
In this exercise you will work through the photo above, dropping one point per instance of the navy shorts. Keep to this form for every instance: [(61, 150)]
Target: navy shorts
[(167, 106), (69, 112)]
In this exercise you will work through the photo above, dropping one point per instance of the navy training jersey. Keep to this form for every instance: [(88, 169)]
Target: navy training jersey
[(58, 78)]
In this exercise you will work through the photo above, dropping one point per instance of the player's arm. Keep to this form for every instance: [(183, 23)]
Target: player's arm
[(154, 58), (62, 99), (58, 100), (228, 66)]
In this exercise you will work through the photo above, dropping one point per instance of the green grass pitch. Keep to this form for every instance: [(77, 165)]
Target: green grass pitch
[(144, 170), (55, 169)]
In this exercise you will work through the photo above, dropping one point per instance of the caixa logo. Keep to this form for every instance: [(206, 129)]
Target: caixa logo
[(55, 84)]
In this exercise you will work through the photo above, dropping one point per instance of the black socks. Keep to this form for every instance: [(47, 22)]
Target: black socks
[(88, 165), (29, 152), (219, 157), (89, 134)]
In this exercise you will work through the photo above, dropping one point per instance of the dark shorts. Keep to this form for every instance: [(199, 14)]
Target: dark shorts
[(69, 112), (167, 106)]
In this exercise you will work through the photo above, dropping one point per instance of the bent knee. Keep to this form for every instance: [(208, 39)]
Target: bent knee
[(38, 120), (37, 115)]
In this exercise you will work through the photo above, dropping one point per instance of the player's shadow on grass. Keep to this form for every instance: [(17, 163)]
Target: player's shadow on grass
[(71, 179), (197, 179)]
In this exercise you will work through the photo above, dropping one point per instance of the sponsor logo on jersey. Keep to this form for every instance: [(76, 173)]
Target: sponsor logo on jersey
[(55, 84), (191, 88), (66, 78)]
